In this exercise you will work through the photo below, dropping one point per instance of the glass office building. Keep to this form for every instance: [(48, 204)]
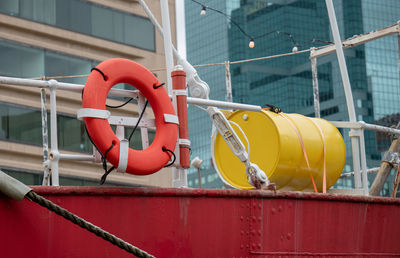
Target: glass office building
[(277, 27), (45, 38)]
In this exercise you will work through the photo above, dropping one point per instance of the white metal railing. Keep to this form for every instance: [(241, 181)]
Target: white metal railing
[(357, 128), (53, 156)]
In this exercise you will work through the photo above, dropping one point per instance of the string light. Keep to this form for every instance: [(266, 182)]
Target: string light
[(251, 43), (252, 38), (295, 48), (203, 10)]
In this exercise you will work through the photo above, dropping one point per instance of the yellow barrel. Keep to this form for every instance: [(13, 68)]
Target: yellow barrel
[(276, 148)]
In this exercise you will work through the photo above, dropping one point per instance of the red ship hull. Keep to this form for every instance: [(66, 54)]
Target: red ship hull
[(202, 223)]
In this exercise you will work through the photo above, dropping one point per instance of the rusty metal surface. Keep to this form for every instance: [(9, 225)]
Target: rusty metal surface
[(202, 223)]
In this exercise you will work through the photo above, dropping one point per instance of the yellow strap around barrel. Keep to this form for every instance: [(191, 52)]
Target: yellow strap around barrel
[(304, 150), (323, 142)]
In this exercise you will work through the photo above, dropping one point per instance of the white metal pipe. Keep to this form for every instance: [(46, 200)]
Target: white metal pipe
[(53, 132), (228, 81), (341, 60), (222, 104), (63, 156), (363, 125), (45, 138), (347, 89), (315, 87), (178, 172), (169, 58), (380, 128), (355, 147), (121, 93), (398, 46), (62, 86), (369, 171), (156, 24), (23, 82), (364, 164), (358, 40)]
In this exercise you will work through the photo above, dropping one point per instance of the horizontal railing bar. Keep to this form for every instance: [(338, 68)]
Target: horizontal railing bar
[(117, 92), (61, 86), (363, 125), (222, 104), (350, 174), (78, 157)]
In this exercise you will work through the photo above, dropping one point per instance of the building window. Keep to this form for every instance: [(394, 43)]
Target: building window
[(86, 18), (18, 60), (329, 111), (24, 125)]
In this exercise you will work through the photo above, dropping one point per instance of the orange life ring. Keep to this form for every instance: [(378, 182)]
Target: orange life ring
[(99, 83)]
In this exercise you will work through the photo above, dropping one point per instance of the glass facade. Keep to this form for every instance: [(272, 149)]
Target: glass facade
[(207, 42), (286, 82), (18, 60), (23, 124), (86, 18)]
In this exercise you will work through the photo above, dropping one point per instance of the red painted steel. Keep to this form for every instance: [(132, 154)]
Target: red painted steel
[(202, 223), (179, 83)]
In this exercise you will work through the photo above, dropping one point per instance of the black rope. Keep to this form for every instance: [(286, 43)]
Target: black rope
[(91, 141), (158, 86), (104, 176), (86, 225), (104, 159), (138, 121), (97, 69), (173, 154), (123, 104)]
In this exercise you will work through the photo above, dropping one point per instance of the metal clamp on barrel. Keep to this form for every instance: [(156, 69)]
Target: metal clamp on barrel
[(92, 112), (123, 155)]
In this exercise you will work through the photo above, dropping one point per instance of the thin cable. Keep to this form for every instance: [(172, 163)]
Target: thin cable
[(138, 121), (201, 108), (247, 60), (59, 77), (226, 16), (229, 18), (123, 104), (270, 57), (34, 197)]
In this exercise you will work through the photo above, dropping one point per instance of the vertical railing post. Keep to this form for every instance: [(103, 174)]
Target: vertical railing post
[(363, 163), (347, 91), (179, 174), (315, 84), (45, 138), (54, 157), (398, 47), (228, 82)]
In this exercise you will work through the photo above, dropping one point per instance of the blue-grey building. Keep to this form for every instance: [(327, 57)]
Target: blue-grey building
[(278, 26)]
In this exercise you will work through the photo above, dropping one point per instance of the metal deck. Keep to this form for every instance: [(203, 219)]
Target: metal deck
[(202, 223)]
